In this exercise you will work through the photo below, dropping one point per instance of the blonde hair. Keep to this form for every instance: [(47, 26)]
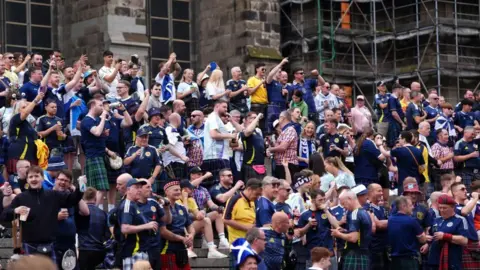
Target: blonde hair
[(142, 265), (184, 73), (216, 79), (337, 163), (314, 130)]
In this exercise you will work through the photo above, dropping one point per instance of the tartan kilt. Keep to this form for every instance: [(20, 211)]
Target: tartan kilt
[(378, 260), (112, 175), (355, 260), (214, 166), (96, 173), (273, 112), (192, 105), (168, 262), (394, 130), (401, 263), (468, 261)]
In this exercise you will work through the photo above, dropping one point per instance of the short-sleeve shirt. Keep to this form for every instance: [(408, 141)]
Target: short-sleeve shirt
[(16, 182), (463, 119), (359, 221), (22, 136), (274, 249), (463, 148), (455, 225), (402, 235), (93, 146), (285, 208), (113, 139), (45, 122), (174, 140), (144, 165), (412, 111), (321, 237), (4, 84), (215, 149), (307, 88), (288, 135), (216, 190), (338, 212), (253, 148), (66, 230), (180, 221), (234, 86), (274, 91), (201, 196), (393, 105), (105, 71), (184, 87), (260, 96), (242, 210), (367, 162), (406, 163), (379, 238), (157, 137), (471, 231), (131, 215), (381, 99), (264, 211), (153, 211), (29, 91), (336, 139), (92, 230)]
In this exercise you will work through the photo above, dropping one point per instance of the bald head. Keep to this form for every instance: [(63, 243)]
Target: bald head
[(415, 86), (175, 119), (122, 183), (179, 106), (280, 222), (434, 196)]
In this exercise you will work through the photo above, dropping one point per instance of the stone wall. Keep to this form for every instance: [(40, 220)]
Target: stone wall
[(236, 33), (93, 26)]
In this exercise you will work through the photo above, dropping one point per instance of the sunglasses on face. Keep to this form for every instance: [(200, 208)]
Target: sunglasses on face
[(227, 175), (300, 73), (10, 57), (263, 69), (194, 115)]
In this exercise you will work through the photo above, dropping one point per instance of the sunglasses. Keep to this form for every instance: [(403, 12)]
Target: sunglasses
[(435, 98), (300, 73), (228, 175), (194, 115), (10, 57), (263, 69)]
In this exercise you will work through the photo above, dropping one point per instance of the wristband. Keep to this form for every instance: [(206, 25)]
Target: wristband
[(447, 237)]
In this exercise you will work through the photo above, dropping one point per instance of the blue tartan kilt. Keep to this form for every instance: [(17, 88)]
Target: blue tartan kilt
[(394, 130), (273, 112), (355, 260)]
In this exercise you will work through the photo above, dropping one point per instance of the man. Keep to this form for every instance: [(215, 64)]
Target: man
[(308, 88), (157, 137), (468, 95), (109, 74), (467, 154), (275, 241), (415, 86), (394, 116), (30, 89), (433, 212), (55, 56), (122, 184), (257, 240), (277, 93), (179, 234), (332, 143), (176, 158), (94, 144), (358, 235), (4, 84), (324, 100), (285, 146), (179, 108), (166, 78), (135, 228), (404, 236), (31, 205), (284, 191), (67, 229), (415, 113), (316, 224), (258, 92), (10, 74), (265, 207), (92, 233), (216, 141), (378, 246), (19, 181), (196, 131), (153, 211), (448, 232), (253, 147), (361, 117), (239, 215), (445, 121), (465, 117), (142, 158), (433, 112), (406, 99), (154, 100), (238, 94), (225, 189), (420, 212), (37, 60)]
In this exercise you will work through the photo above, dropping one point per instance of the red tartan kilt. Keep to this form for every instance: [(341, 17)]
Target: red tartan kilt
[(12, 165), (468, 262), (169, 263)]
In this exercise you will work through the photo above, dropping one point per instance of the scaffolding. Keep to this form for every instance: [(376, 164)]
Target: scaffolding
[(434, 42)]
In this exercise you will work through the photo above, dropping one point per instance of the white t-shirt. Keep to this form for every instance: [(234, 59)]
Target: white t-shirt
[(105, 71), (213, 90), (172, 81), (140, 90), (215, 149), (20, 75), (175, 140), (184, 87)]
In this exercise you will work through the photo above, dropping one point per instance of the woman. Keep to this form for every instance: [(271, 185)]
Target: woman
[(339, 173), (443, 153), (7, 112), (215, 89), (297, 102), (307, 145), (50, 127), (20, 66), (202, 80), (22, 134), (188, 91), (368, 159)]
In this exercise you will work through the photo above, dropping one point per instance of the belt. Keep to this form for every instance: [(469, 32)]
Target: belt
[(471, 170)]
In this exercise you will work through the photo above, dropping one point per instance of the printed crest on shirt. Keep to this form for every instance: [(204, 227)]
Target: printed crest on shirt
[(180, 212), (148, 154), (324, 216), (449, 224), (153, 209), (420, 215), (336, 140)]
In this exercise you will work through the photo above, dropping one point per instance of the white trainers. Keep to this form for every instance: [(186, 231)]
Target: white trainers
[(204, 244), (192, 254), (214, 254), (224, 244)]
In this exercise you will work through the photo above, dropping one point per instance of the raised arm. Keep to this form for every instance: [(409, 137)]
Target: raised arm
[(21, 67), (275, 70), (26, 112)]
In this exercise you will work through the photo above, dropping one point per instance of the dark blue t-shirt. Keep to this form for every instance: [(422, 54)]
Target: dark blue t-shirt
[(366, 162), (4, 83), (93, 146), (65, 236), (216, 190), (359, 221), (379, 238), (284, 207), (463, 148), (471, 232), (234, 86), (92, 229), (180, 221), (131, 215), (274, 249), (406, 162), (253, 148), (29, 91), (157, 136), (463, 119), (307, 88), (338, 211), (402, 235), (327, 140), (21, 134), (381, 99), (152, 211), (393, 105), (45, 122), (144, 165), (274, 92), (321, 237), (113, 139), (412, 111), (264, 211)]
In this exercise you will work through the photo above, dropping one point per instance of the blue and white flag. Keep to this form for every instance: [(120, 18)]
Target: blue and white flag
[(167, 89)]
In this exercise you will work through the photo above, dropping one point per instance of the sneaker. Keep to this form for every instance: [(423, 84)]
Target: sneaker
[(204, 244), (192, 254), (224, 244), (214, 254)]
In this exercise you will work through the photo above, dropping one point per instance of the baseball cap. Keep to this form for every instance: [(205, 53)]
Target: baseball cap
[(360, 190), (135, 181), (186, 184), (275, 123), (380, 83), (196, 170), (143, 131), (360, 97), (153, 112), (411, 187)]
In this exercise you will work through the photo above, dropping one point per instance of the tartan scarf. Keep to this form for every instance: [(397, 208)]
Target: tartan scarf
[(443, 265)]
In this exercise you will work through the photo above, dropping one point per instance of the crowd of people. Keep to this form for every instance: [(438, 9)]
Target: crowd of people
[(287, 175)]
